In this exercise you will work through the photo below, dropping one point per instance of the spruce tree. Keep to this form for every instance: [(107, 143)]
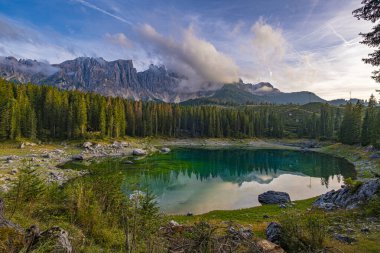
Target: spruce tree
[(370, 11), (368, 128)]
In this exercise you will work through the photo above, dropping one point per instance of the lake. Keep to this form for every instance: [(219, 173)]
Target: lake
[(202, 180)]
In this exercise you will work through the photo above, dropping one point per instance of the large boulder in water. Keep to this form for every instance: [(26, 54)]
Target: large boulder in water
[(348, 197), (273, 197)]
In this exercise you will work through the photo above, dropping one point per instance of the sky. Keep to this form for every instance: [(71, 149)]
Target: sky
[(294, 44)]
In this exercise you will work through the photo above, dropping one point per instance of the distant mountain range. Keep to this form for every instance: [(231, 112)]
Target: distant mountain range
[(157, 83)]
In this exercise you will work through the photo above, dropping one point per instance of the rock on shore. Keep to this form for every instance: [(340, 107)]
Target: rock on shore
[(347, 197), (273, 197), (139, 152)]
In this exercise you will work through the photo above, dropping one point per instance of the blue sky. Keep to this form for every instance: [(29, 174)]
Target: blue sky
[(295, 44)]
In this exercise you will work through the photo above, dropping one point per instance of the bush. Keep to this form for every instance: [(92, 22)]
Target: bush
[(373, 206), (25, 191), (303, 234), (353, 185), (10, 240)]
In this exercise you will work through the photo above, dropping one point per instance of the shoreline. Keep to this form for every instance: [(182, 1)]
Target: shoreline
[(47, 158)]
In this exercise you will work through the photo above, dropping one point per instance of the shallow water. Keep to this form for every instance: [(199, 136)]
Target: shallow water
[(200, 180)]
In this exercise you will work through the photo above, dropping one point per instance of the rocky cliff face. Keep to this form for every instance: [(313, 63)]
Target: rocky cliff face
[(120, 78), (115, 78), (160, 83), (24, 71)]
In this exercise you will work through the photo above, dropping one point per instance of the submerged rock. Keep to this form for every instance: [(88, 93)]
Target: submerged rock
[(273, 197), (347, 197), (138, 152)]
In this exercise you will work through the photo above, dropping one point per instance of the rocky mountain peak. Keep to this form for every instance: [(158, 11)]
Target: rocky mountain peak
[(120, 78)]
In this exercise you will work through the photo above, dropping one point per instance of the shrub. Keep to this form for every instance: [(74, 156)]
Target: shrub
[(26, 190), (10, 240), (302, 234), (373, 206), (353, 185)]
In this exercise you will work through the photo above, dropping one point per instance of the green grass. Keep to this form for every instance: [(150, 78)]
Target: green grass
[(13, 148), (248, 216)]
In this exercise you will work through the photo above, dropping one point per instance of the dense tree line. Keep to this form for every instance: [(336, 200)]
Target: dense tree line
[(44, 112), (353, 124), (323, 124), (358, 130)]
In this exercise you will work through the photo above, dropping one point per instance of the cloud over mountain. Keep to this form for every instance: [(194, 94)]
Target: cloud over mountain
[(196, 58), (119, 39)]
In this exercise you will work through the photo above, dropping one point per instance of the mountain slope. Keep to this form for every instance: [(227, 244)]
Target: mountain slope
[(120, 78), (302, 97), (229, 94)]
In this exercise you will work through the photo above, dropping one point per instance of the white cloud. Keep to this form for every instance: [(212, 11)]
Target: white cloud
[(268, 43), (119, 39), (191, 56), (327, 60)]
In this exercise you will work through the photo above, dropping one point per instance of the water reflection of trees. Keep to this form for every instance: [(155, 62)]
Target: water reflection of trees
[(241, 165)]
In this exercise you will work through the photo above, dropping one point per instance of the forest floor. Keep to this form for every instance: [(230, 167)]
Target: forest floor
[(46, 158)]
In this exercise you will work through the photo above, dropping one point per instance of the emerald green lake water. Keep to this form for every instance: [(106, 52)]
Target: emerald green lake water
[(200, 180)]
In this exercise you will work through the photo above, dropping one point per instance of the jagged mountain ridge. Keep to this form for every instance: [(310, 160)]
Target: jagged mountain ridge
[(110, 78), (120, 78)]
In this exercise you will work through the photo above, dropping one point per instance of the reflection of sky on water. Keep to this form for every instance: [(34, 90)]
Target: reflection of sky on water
[(189, 194), (198, 181)]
